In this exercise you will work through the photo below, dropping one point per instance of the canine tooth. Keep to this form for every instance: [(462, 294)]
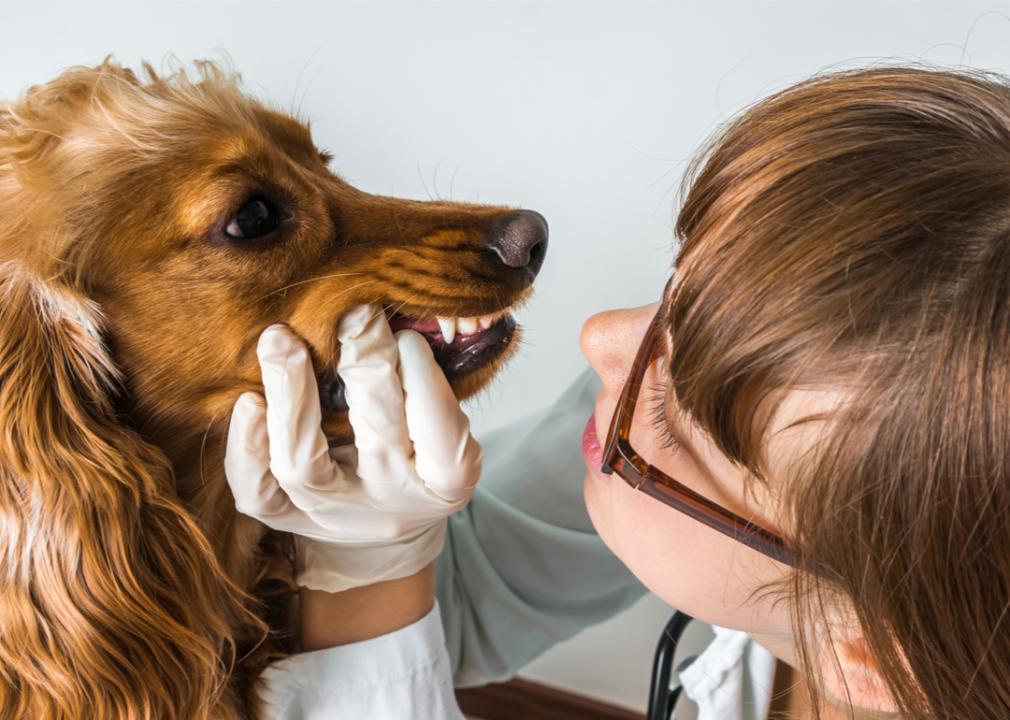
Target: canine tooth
[(448, 328), (466, 326), (486, 322)]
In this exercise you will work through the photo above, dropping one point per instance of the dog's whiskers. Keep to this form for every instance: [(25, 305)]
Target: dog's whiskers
[(452, 180), (315, 279), (420, 177), (434, 179), (390, 309), (401, 304)]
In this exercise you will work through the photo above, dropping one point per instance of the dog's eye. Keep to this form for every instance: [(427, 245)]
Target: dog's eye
[(254, 219)]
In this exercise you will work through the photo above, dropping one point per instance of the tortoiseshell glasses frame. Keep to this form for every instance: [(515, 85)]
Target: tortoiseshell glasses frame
[(621, 458)]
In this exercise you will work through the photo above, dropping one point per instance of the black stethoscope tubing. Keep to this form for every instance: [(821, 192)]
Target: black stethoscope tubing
[(663, 700)]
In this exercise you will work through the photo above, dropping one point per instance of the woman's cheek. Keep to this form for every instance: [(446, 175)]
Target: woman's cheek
[(671, 554), (628, 527), (644, 537)]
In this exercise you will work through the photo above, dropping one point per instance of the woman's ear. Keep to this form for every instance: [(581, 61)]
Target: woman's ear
[(112, 604), (851, 677)]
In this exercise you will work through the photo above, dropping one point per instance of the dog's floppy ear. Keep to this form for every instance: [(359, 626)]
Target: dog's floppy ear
[(111, 602)]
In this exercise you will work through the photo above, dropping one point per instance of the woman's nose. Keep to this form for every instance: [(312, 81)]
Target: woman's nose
[(610, 340)]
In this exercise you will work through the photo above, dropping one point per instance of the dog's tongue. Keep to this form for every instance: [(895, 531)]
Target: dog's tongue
[(421, 325)]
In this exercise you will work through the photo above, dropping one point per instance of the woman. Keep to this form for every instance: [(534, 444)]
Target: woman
[(829, 373)]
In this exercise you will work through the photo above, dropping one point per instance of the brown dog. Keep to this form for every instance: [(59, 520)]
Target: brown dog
[(151, 228)]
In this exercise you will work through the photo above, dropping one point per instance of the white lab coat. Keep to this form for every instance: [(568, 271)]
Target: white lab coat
[(731, 679), (523, 569), (405, 676)]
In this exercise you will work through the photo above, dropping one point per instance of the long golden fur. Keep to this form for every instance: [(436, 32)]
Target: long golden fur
[(130, 586)]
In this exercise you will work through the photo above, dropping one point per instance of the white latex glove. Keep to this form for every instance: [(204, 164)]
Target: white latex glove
[(366, 512)]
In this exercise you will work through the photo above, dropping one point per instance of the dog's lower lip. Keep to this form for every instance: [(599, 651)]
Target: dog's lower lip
[(464, 355)]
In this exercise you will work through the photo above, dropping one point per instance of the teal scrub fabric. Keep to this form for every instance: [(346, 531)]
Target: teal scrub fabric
[(523, 568)]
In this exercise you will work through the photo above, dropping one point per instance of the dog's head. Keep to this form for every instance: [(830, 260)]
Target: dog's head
[(150, 229), (194, 216)]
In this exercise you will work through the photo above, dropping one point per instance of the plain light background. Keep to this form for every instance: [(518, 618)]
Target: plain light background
[(586, 112)]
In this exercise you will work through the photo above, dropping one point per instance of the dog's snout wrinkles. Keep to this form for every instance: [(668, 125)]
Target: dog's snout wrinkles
[(521, 241)]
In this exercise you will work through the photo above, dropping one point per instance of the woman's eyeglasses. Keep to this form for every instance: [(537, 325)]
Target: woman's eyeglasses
[(621, 458)]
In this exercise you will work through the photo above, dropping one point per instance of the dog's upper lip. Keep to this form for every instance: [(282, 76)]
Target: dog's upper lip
[(404, 322), (450, 334), (447, 326)]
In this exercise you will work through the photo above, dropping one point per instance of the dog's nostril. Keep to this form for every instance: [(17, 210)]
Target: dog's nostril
[(521, 241)]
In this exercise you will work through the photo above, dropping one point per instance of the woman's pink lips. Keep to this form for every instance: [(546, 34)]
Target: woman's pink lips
[(592, 453)]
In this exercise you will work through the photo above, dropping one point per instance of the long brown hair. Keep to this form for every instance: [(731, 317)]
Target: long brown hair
[(853, 232)]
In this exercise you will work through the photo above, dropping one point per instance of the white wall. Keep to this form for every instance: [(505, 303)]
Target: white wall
[(585, 112)]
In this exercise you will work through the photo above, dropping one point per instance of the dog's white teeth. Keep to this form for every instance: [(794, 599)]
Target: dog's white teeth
[(466, 326), (448, 328), (454, 327)]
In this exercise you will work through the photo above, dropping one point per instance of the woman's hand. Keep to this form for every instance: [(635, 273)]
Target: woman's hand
[(369, 512)]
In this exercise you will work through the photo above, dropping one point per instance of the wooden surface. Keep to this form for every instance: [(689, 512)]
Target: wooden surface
[(525, 700)]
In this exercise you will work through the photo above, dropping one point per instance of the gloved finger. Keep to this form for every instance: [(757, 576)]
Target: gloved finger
[(247, 461), (299, 453), (368, 367), (446, 457)]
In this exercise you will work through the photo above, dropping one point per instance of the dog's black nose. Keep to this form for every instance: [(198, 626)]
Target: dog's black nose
[(521, 241)]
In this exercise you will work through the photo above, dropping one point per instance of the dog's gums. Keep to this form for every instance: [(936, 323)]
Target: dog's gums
[(471, 344)]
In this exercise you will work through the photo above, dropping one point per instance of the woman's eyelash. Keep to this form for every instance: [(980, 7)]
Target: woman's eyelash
[(656, 402)]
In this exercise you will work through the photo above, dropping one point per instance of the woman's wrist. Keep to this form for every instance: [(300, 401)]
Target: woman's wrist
[(362, 613)]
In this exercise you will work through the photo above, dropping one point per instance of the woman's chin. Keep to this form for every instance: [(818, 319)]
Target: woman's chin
[(595, 493)]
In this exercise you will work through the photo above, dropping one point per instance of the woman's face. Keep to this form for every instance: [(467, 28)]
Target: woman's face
[(692, 567)]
